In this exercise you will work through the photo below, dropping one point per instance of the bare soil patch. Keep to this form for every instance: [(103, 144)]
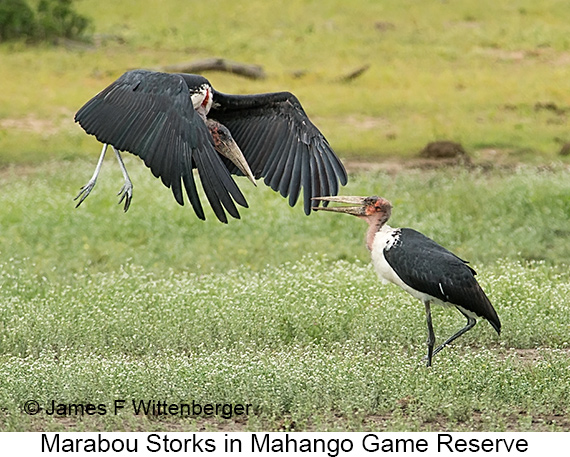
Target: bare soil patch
[(30, 124)]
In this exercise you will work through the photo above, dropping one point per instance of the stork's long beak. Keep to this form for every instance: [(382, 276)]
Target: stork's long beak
[(354, 210), (227, 146), (232, 151)]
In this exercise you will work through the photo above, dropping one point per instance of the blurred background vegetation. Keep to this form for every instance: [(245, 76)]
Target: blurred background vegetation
[(493, 76), (42, 20)]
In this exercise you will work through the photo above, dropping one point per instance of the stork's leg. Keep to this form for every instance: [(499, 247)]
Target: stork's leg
[(126, 191), (87, 188), (431, 334), (470, 324)]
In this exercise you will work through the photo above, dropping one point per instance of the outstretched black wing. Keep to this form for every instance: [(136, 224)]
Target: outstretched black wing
[(281, 144), (150, 114), (428, 267)]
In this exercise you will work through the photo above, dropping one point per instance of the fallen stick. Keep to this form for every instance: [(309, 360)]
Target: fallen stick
[(217, 64), (354, 74)]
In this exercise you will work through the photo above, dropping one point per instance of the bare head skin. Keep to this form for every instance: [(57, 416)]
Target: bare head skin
[(374, 210)]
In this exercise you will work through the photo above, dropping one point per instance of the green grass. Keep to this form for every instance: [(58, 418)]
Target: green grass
[(312, 345), (279, 310), (516, 214)]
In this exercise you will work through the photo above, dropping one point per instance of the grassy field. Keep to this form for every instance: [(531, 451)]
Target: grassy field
[(279, 310), (491, 75)]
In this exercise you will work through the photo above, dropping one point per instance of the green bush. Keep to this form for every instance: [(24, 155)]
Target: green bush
[(52, 19), (17, 20), (56, 18)]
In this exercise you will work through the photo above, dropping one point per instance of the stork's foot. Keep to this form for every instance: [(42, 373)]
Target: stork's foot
[(85, 191), (426, 360), (126, 194)]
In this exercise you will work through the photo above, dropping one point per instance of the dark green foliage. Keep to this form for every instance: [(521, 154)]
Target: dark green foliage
[(56, 18), (16, 20), (52, 19)]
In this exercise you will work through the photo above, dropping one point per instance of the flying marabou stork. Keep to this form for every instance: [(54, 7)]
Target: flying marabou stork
[(420, 266), (178, 122)]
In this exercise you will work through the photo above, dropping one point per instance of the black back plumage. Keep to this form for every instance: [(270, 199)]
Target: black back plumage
[(429, 268), (151, 115), (281, 144)]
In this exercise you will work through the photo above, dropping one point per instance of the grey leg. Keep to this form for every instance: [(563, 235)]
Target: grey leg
[(126, 191), (470, 324), (431, 334), (87, 188)]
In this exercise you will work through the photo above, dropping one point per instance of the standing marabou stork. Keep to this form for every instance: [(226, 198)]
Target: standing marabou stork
[(161, 118), (420, 266)]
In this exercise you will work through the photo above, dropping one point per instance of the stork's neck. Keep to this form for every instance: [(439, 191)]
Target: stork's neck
[(375, 223)]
